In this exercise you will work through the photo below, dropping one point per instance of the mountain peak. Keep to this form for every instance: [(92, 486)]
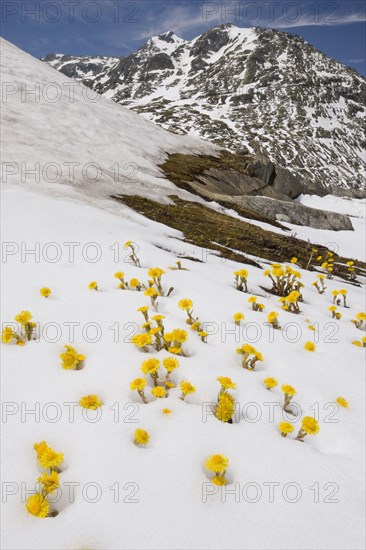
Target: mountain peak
[(267, 90), (169, 36)]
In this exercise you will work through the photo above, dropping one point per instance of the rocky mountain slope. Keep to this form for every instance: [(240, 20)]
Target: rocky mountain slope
[(260, 90), (99, 149)]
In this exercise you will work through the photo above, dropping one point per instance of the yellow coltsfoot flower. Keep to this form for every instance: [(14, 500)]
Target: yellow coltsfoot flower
[(319, 284), (241, 280), (226, 383), (135, 283), (142, 341), (272, 318), (8, 335), (360, 319), (218, 464), (285, 428), (153, 294), (159, 392), (249, 356), (23, 317), (342, 402), (144, 310), (270, 383), (357, 343), (138, 385), (71, 359), (225, 408), (310, 346), (141, 437), (93, 285), (309, 426), (219, 480), (50, 459), (50, 482), (186, 389), (27, 326), (156, 273), (291, 302), (90, 402), (132, 256), (185, 304), (174, 340), (238, 317), (37, 505), (170, 364), (255, 305), (289, 392), (45, 291), (151, 366), (203, 335)]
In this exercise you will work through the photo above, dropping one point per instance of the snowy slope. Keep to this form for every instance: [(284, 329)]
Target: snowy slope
[(318, 484), (67, 134), (77, 235), (269, 91)]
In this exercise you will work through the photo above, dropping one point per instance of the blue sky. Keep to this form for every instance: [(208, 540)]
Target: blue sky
[(118, 27)]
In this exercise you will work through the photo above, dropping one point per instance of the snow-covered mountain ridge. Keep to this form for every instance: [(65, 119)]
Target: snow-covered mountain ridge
[(269, 91), (55, 134)]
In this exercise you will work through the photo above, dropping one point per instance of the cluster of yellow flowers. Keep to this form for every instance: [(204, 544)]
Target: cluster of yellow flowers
[(319, 284), (335, 314), (225, 407), (156, 336), (134, 283), (26, 332), (175, 339), (218, 464), (255, 305), (249, 356), (241, 280), (92, 402), (328, 264), (342, 292), (187, 305), (45, 292), (155, 273), (284, 279), (160, 386), (38, 504), (133, 257), (360, 319), (291, 302), (272, 318), (309, 426), (71, 359), (141, 437)]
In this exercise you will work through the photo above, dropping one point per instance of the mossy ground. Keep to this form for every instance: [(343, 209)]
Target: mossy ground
[(229, 236)]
